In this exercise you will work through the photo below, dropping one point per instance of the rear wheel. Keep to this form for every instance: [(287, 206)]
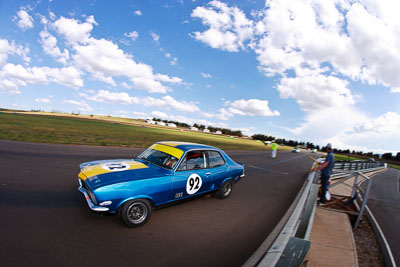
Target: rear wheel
[(136, 212), (225, 190)]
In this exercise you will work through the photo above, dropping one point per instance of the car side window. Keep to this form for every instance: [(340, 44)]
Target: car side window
[(215, 159), (194, 160)]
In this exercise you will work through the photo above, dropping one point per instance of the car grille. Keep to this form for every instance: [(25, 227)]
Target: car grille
[(91, 195), (84, 185)]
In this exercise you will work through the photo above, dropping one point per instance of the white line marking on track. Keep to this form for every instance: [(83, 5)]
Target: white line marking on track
[(259, 168)]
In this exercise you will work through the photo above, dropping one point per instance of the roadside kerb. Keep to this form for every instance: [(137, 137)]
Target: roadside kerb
[(381, 239), (383, 244)]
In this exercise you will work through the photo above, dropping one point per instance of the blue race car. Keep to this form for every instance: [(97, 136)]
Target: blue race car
[(165, 172)]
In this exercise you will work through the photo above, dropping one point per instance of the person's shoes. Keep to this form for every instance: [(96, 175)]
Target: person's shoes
[(321, 202)]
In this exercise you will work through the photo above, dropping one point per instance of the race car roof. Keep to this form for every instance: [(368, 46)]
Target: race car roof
[(185, 145)]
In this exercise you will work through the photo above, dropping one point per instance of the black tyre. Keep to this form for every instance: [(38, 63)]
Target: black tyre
[(225, 190), (136, 212)]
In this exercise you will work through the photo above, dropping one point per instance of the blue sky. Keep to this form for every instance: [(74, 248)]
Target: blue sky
[(315, 71)]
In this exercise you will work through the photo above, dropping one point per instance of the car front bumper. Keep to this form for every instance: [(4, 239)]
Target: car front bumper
[(92, 206)]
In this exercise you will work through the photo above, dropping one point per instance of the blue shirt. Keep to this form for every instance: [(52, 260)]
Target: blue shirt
[(331, 161)]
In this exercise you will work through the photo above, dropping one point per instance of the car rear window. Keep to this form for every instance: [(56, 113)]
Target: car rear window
[(215, 159)]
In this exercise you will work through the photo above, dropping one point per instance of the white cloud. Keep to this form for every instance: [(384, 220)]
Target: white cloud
[(137, 12), (223, 114), (161, 115), (133, 35), (316, 92), (174, 61), (73, 31), (357, 40), (49, 43), (14, 76), (316, 48), (7, 48), (9, 86), (113, 97), (140, 114), (42, 100), (326, 125), (167, 79), (68, 76), (229, 28), (23, 76), (206, 75), (25, 21), (82, 105), (387, 123), (251, 107), (375, 34), (169, 102), (166, 102), (190, 121), (155, 37), (149, 84), (104, 60), (380, 134)]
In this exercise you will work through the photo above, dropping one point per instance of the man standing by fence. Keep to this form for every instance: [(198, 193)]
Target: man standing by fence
[(326, 171)]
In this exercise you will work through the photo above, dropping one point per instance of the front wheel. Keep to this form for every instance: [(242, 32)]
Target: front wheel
[(225, 190), (136, 212)]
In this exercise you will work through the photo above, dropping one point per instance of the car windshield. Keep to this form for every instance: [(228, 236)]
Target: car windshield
[(159, 158)]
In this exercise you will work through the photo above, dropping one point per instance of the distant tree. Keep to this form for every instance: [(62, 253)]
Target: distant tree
[(310, 145), (262, 137), (387, 156)]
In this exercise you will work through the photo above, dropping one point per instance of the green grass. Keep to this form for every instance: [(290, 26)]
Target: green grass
[(394, 166), (85, 131), (344, 157), (347, 158)]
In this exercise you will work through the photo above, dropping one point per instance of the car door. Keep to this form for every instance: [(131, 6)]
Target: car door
[(192, 176), (217, 168)]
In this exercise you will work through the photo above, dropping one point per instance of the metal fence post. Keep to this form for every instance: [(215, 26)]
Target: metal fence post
[(354, 190), (364, 202)]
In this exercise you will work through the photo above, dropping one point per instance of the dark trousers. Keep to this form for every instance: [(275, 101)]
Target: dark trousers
[(324, 184)]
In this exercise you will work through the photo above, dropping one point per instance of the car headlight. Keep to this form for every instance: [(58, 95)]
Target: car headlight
[(105, 203)]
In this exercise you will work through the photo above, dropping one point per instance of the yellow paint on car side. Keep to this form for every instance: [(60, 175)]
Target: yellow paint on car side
[(100, 169), (177, 153)]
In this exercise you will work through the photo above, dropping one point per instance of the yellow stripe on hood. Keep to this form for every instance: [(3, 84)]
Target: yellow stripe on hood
[(107, 167)]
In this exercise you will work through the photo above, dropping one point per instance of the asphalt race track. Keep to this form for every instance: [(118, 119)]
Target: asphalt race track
[(384, 202), (45, 221)]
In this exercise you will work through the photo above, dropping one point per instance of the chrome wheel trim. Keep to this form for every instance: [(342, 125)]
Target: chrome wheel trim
[(227, 188), (137, 212)]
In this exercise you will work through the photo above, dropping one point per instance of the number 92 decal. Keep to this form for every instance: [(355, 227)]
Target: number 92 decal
[(193, 184)]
